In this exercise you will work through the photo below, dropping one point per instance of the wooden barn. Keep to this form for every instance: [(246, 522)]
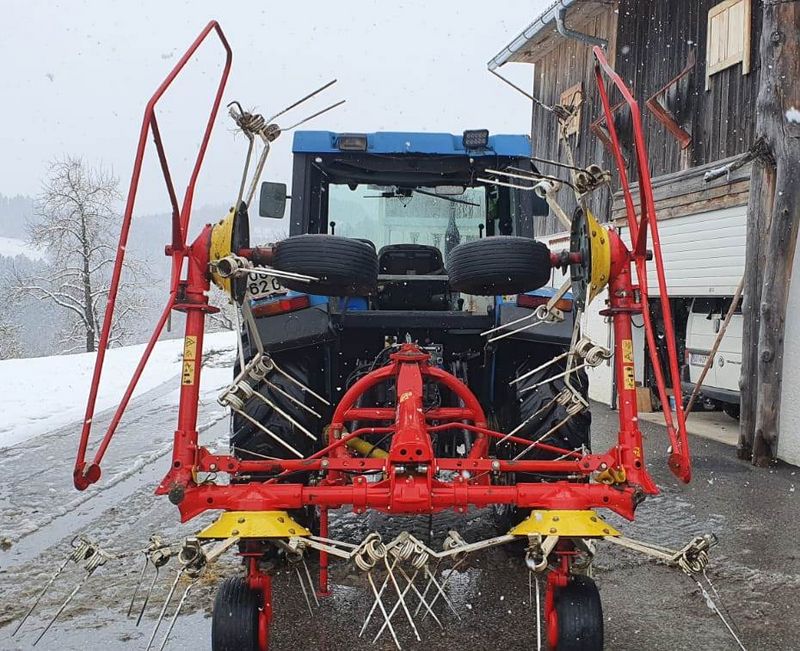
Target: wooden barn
[(694, 66)]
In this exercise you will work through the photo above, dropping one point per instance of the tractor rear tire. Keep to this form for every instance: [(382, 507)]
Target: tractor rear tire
[(344, 267), (580, 616), (575, 433), (250, 442), (499, 265), (234, 622), (522, 405)]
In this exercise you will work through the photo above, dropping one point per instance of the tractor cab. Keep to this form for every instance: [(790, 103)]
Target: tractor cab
[(413, 197)]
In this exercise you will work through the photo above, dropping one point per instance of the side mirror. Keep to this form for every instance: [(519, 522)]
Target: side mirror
[(272, 202)]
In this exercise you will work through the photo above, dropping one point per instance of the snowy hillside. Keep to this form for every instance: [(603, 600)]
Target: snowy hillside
[(11, 247), (38, 395)]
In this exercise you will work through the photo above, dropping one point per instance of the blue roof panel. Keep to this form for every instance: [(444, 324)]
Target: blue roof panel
[(404, 142)]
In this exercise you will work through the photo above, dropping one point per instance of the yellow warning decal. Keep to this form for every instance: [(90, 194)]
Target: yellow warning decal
[(190, 347), (630, 382), (187, 375), (627, 351)]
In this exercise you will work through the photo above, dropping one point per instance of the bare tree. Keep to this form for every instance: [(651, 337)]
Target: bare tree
[(9, 339), (77, 225), (225, 319)]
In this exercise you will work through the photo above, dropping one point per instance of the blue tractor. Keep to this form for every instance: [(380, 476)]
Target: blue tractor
[(409, 204)]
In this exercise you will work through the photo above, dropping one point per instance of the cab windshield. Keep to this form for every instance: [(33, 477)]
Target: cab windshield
[(441, 217)]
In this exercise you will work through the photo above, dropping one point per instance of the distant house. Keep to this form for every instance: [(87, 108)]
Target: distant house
[(693, 66)]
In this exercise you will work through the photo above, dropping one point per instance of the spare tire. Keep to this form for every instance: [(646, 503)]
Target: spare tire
[(499, 265), (344, 267)]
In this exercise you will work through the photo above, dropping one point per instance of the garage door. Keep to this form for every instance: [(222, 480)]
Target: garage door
[(703, 253)]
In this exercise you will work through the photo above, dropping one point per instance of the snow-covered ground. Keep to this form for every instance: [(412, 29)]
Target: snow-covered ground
[(41, 394), (11, 247)]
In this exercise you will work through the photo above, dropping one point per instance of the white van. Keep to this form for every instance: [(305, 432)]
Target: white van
[(721, 384)]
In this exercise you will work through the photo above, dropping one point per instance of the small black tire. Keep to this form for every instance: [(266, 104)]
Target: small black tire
[(580, 616), (234, 622), (731, 409), (345, 267), (499, 265)]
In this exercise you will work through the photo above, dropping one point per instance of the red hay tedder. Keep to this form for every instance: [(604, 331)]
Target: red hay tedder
[(404, 476)]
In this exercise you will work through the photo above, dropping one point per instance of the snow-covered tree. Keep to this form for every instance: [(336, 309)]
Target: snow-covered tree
[(9, 339), (77, 225)]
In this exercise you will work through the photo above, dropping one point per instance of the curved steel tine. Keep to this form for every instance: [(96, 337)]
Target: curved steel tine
[(400, 602), (510, 323), (299, 384), (527, 420), (175, 615), (440, 588), (310, 582), (138, 583), (422, 601), (555, 377), (302, 99), (63, 606), (291, 398), (280, 411), (267, 431), (379, 603), (164, 608), (147, 597), (516, 330), (41, 594), (533, 371), (304, 589)]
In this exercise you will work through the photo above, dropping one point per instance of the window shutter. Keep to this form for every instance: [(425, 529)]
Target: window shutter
[(728, 37)]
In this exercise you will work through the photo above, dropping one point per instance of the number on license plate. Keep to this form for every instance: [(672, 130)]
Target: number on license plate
[(259, 286), (698, 359)]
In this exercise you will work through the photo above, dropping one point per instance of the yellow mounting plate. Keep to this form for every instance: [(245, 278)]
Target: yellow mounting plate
[(601, 257), (221, 244), (568, 524), (254, 524)]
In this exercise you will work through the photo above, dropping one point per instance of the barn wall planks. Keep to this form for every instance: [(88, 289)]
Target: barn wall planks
[(566, 63), (649, 43)]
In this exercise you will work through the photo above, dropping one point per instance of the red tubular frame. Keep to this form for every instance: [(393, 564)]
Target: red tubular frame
[(679, 460), (86, 474), (409, 483)]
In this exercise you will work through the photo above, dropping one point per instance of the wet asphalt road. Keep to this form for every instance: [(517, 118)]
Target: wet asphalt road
[(647, 607)]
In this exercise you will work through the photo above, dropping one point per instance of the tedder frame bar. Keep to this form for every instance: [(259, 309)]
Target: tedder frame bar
[(87, 474)]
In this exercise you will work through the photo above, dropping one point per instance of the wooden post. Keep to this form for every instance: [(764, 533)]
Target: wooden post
[(778, 99)]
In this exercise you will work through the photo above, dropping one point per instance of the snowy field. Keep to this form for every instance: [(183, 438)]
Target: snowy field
[(41, 394)]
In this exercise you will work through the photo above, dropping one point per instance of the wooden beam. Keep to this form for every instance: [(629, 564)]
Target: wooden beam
[(779, 93)]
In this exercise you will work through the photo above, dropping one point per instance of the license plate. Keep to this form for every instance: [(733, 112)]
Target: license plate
[(698, 359), (260, 286)]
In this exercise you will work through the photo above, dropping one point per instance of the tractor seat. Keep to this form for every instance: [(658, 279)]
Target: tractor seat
[(410, 260), (412, 277)]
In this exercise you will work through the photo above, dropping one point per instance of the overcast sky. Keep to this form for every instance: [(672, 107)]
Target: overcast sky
[(76, 77)]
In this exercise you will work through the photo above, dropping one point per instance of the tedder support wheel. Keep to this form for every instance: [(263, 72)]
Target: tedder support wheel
[(234, 622), (579, 616), (345, 267), (499, 265)]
